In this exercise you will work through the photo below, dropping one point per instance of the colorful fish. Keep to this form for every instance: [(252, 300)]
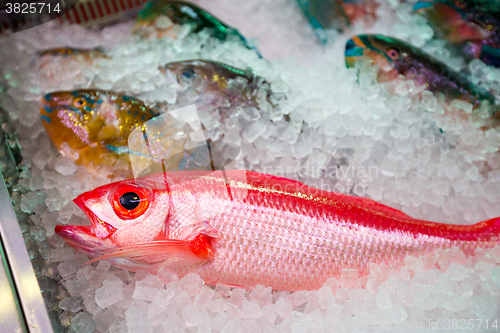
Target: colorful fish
[(337, 14), (217, 84), (394, 57), (243, 228), (472, 26), (91, 127), (159, 18), (70, 51)]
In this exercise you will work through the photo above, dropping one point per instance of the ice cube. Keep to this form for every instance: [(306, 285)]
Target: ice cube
[(252, 132), (64, 254), (283, 307), (67, 268), (298, 298), (457, 272), (326, 297), (136, 321), (261, 295), (147, 289), (250, 310), (83, 323), (65, 166), (166, 275), (217, 305), (192, 283), (100, 273), (72, 304), (233, 326), (203, 298), (110, 292), (164, 298), (104, 320), (454, 304), (237, 297), (31, 200), (384, 300)]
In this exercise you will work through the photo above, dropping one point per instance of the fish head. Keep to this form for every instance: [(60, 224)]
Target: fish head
[(194, 75), (387, 55), (64, 115), (121, 214), (134, 222)]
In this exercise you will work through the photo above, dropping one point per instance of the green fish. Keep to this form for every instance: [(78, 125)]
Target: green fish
[(394, 57), (181, 13)]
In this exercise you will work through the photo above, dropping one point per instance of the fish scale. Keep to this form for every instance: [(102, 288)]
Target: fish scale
[(270, 230)]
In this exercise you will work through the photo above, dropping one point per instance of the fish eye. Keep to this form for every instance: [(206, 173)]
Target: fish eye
[(186, 73), (79, 102), (393, 54), (130, 202)]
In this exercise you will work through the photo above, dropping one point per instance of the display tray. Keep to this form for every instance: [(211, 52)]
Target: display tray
[(328, 126)]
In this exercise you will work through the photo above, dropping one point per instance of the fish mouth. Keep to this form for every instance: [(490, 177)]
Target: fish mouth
[(82, 238), (99, 228), (92, 240)]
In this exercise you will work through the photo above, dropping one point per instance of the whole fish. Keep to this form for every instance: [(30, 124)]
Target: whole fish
[(159, 18), (337, 14), (243, 228), (91, 127), (217, 84), (472, 26), (70, 52), (394, 57)]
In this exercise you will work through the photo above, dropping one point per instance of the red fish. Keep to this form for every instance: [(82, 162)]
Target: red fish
[(243, 228)]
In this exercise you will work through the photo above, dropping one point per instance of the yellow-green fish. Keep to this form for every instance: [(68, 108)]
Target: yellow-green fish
[(91, 127)]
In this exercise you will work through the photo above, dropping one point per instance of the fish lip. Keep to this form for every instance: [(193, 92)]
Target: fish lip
[(82, 238)]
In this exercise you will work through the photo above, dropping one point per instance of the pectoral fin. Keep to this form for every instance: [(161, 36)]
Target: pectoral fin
[(169, 252)]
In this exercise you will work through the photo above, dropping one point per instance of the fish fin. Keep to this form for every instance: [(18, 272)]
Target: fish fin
[(294, 187), (380, 208), (169, 252)]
